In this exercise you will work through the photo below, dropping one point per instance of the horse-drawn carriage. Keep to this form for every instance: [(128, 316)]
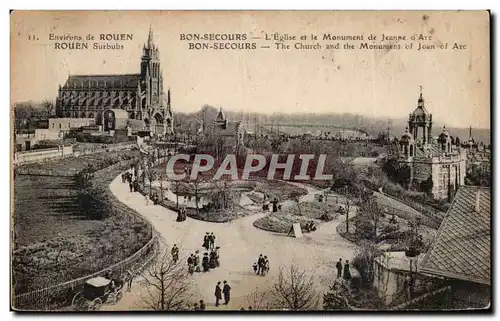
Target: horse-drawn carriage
[(97, 291)]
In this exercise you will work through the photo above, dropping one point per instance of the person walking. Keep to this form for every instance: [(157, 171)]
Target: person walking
[(197, 262), (347, 271), (175, 253), (206, 241), (190, 262), (339, 268), (227, 292), (217, 256), (260, 263), (205, 263), (218, 294), (211, 241), (266, 265)]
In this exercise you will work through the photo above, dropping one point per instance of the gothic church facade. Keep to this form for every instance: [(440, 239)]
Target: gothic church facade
[(140, 95)]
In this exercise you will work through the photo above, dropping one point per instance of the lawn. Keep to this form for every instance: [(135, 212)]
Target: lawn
[(281, 221), (54, 241)]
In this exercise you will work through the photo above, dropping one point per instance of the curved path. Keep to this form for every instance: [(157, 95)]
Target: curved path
[(241, 243)]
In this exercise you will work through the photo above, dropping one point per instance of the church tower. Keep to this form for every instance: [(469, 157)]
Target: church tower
[(151, 75), (420, 118)]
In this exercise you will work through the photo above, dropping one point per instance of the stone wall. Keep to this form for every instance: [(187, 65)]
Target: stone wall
[(42, 155)]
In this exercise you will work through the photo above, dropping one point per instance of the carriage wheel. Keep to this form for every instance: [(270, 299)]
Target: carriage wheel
[(77, 298), (95, 305), (118, 296)]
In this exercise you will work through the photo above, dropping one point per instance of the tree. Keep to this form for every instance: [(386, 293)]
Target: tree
[(371, 210), (258, 301), (177, 186), (349, 203), (49, 107), (162, 177), (363, 260), (196, 186), (221, 194), (336, 298), (167, 284), (295, 290)]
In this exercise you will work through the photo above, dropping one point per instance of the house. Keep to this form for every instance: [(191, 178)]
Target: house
[(461, 251)]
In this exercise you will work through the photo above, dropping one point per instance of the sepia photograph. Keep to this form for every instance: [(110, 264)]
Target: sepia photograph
[(250, 161)]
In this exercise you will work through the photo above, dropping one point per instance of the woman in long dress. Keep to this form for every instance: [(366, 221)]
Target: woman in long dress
[(347, 271), (213, 263), (197, 262), (206, 266), (217, 262)]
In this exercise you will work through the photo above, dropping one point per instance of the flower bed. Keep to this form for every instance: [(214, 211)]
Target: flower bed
[(281, 221)]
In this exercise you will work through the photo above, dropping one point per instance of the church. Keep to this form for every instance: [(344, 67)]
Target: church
[(138, 98), (439, 159)]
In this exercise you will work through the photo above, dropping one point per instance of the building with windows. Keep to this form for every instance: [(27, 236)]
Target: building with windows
[(431, 159), (139, 95), (233, 133)]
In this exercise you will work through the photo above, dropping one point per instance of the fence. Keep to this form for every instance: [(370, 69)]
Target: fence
[(42, 155), (55, 296)]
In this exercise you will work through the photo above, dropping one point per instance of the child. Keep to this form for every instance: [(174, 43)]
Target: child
[(255, 267)]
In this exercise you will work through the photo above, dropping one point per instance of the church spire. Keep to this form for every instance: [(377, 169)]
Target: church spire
[(150, 42)]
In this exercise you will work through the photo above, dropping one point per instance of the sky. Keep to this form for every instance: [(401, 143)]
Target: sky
[(380, 83)]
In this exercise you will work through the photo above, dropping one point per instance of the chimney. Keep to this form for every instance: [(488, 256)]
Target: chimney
[(478, 197)]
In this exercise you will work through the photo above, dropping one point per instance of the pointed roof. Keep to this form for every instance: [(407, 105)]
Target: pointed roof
[(150, 43), (220, 115)]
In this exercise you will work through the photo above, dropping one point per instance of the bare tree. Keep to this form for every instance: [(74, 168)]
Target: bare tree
[(167, 284), (49, 107), (370, 209), (177, 186), (258, 301), (295, 290), (196, 186)]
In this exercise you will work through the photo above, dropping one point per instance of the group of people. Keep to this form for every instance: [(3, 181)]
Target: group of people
[(181, 215), (127, 177), (343, 268), (310, 226), (200, 307), (209, 241), (152, 197), (226, 290), (261, 267), (209, 261)]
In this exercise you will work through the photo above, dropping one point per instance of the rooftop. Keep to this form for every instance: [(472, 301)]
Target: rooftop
[(462, 246), (102, 81)]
